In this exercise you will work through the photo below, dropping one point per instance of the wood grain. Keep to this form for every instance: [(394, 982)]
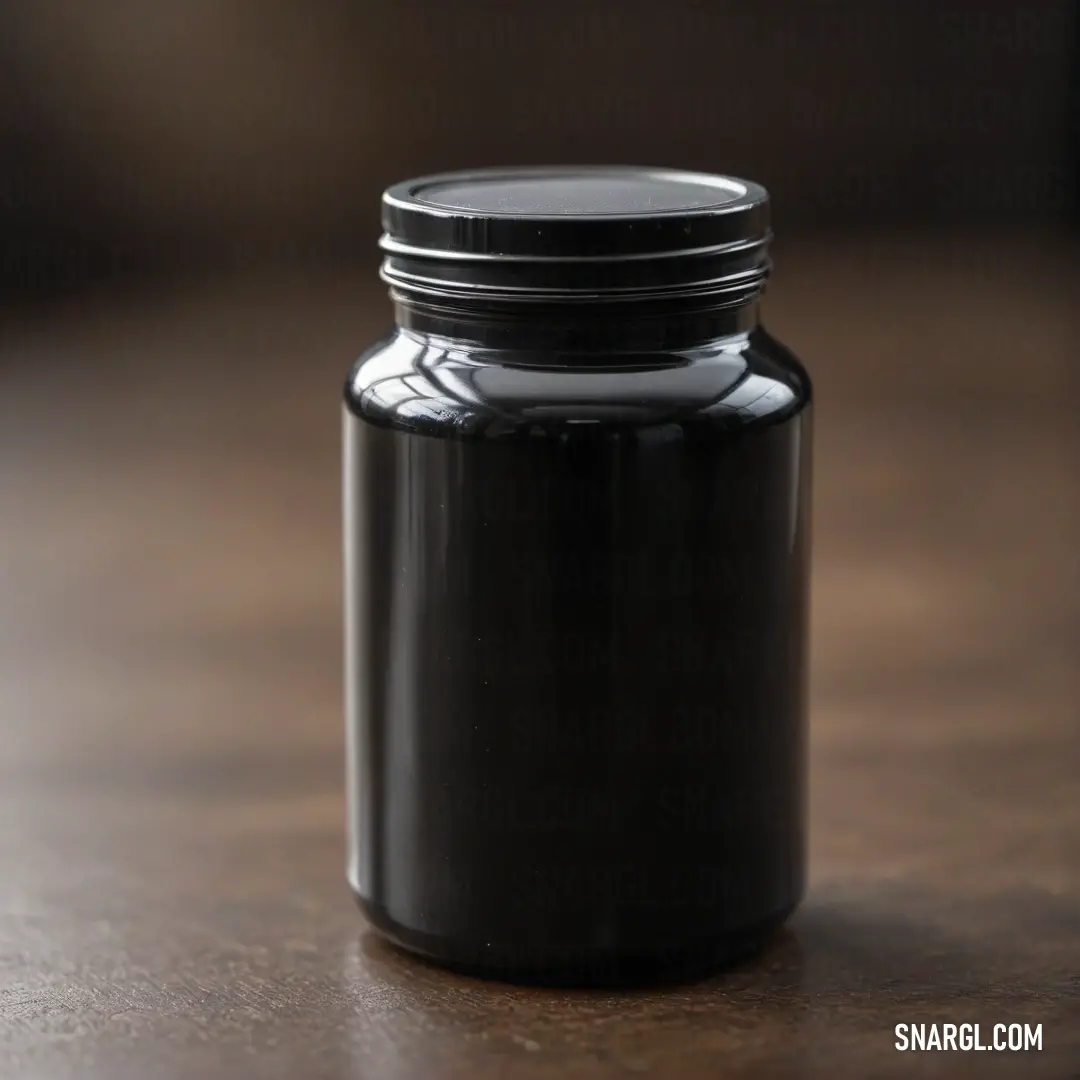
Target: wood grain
[(172, 901)]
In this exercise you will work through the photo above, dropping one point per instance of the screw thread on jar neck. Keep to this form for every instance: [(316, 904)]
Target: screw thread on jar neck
[(583, 327)]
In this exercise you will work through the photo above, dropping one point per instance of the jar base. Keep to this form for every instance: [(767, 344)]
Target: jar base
[(608, 967)]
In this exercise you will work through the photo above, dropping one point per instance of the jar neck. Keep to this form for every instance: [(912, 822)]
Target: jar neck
[(583, 327)]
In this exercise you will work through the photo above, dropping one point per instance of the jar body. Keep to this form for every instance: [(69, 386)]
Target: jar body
[(576, 607)]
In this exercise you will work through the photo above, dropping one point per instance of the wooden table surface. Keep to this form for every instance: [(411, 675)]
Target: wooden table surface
[(172, 901)]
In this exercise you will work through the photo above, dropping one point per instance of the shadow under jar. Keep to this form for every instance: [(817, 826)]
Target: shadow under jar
[(576, 546)]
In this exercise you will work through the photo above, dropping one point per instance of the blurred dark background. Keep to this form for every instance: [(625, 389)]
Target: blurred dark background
[(150, 138)]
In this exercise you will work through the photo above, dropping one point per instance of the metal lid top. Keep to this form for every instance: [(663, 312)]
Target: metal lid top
[(575, 234), (556, 193)]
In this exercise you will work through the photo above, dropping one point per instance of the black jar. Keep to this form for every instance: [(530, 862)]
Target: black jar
[(576, 540)]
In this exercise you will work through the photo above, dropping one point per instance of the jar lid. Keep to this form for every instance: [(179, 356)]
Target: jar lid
[(610, 233)]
